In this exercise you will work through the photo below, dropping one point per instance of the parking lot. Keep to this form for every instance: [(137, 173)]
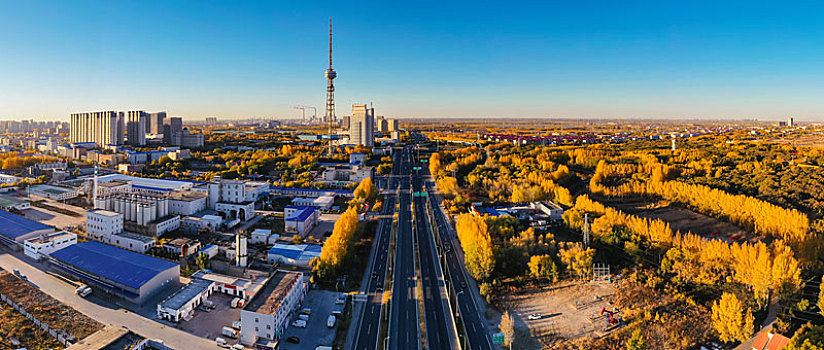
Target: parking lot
[(209, 324), (316, 332)]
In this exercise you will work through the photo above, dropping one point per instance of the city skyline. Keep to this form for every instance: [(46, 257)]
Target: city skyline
[(641, 61)]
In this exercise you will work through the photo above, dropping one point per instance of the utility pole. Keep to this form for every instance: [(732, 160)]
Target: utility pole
[(586, 230)]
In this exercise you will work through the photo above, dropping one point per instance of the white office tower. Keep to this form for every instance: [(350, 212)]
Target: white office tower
[(790, 122), (240, 250), (362, 125)]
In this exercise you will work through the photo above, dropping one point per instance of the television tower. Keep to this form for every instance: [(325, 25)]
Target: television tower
[(330, 91)]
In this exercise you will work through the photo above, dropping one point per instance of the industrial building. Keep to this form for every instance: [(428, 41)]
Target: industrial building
[(131, 276), (300, 219), (12, 203), (181, 247), (267, 315), (181, 305), (308, 192), (53, 192), (293, 254), (15, 229), (229, 285), (187, 203), (142, 213), (107, 226), (322, 203), (40, 247)]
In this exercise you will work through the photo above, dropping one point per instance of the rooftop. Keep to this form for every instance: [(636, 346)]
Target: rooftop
[(267, 301), (8, 201), (50, 189), (118, 265), (179, 242), (51, 237), (14, 226), (187, 196), (136, 237), (104, 212), (301, 214), (296, 251), (182, 296)]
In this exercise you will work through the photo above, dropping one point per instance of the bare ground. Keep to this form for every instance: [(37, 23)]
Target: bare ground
[(561, 317)]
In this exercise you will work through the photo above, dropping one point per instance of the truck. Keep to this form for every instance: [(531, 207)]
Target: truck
[(80, 289), (235, 302), (229, 332), (330, 322), (208, 303)]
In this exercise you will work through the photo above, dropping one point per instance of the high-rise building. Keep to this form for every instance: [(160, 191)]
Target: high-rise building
[(345, 122), (156, 122), (173, 131), (212, 121), (362, 125), (790, 121), (381, 125), (136, 127), (393, 125), (103, 128)]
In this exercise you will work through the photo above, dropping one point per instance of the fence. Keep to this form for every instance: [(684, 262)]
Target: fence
[(62, 336)]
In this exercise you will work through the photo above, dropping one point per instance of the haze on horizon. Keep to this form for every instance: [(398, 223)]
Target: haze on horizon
[(596, 59)]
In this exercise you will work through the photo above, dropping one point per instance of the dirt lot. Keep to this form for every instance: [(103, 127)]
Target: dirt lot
[(681, 218), (54, 218), (18, 327), (560, 317), (47, 309)]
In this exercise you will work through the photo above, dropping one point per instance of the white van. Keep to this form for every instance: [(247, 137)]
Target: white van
[(330, 321), (231, 333), (299, 324), (221, 342)]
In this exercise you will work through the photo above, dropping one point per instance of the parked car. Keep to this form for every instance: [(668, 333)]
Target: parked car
[(534, 316), (463, 284), (237, 347), (299, 324), (204, 308), (330, 321), (304, 317), (210, 304), (293, 340), (221, 342), (86, 292)]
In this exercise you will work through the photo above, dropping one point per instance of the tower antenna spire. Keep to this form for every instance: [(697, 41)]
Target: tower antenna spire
[(330, 91)]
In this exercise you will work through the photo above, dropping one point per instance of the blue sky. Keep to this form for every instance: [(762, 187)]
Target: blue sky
[(588, 59)]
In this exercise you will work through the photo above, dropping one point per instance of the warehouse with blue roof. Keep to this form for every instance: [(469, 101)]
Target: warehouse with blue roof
[(15, 229), (131, 276)]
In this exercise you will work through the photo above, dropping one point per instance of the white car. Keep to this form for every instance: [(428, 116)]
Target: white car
[(534, 317)]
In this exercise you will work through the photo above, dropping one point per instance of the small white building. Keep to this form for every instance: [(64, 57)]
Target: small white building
[(40, 247), (131, 241), (267, 315), (182, 246), (8, 179), (244, 211), (181, 305), (554, 211), (210, 250), (201, 221), (263, 236)]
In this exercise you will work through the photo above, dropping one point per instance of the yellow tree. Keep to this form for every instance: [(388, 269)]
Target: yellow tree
[(731, 320), (477, 245), (507, 327), (578, 260)]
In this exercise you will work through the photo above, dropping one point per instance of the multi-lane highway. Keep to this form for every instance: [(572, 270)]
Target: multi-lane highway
[(404, 327), (439, 324), (368, 325), (473, 321)]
